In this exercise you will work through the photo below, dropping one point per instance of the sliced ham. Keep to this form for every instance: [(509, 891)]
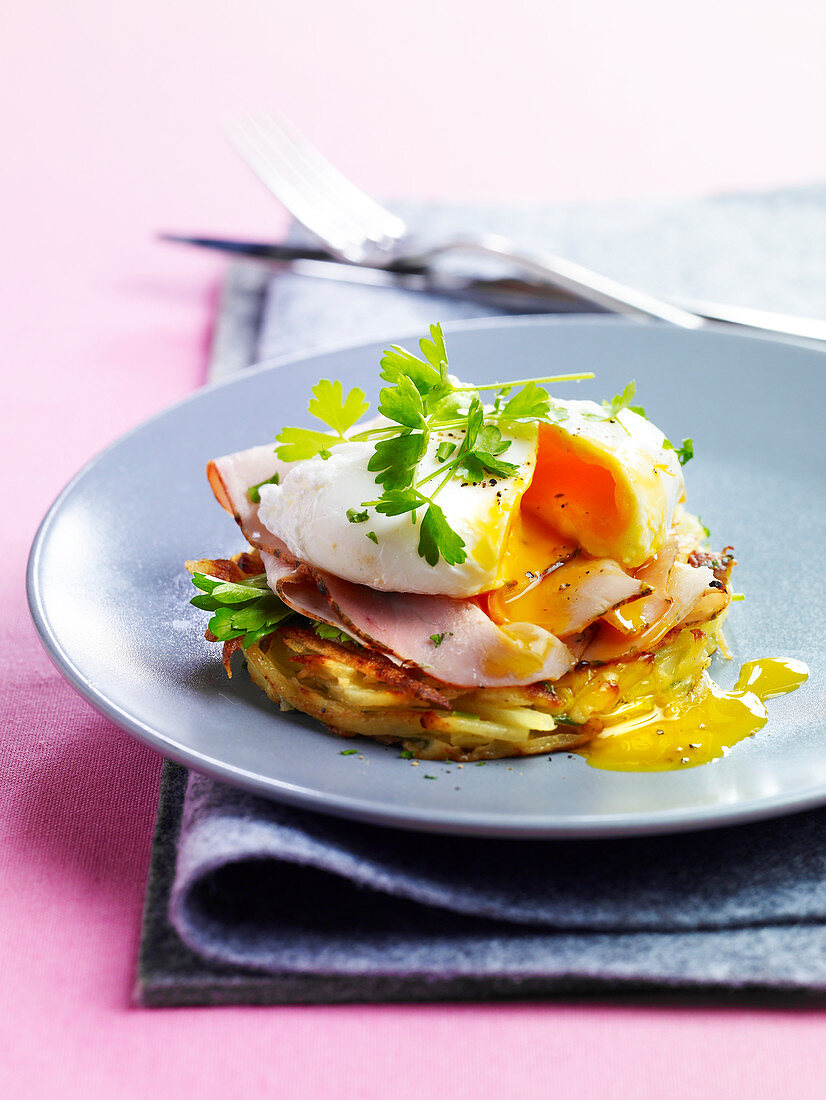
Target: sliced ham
[(570, 597), (452, 640), (230, 478), (686, 588), (636, 615), (711, 604)]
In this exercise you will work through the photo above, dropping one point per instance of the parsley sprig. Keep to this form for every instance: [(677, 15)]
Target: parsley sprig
[(619, 403), (420, 399), (241, 609), (684, 453), (249, 610), (622, 401)]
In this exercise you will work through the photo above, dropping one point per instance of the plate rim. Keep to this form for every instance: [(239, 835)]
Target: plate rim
[(443, 821)]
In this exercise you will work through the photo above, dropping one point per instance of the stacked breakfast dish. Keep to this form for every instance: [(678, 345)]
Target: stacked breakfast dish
[(476, 572)]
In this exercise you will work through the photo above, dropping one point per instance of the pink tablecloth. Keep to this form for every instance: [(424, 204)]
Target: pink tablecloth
[(113, 136)]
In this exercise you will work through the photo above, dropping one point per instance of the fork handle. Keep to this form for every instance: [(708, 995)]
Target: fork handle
[(564, 275)]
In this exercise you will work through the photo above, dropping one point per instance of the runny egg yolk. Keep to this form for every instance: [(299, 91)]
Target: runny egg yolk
[(575, 494), (570, 502)]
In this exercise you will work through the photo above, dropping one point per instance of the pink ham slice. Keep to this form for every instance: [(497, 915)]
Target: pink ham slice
[(452, 640), (230, 478), (649, 609), (685, 589), (570, 597), (711, 604)]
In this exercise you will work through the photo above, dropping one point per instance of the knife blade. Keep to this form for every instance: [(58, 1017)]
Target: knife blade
[(514, 293)]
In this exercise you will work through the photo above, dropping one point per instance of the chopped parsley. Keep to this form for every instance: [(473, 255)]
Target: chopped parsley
[(324, 630), (253, 492), (684, 453)]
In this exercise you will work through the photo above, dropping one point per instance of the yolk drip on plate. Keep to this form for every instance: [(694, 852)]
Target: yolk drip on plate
[(699, 729)]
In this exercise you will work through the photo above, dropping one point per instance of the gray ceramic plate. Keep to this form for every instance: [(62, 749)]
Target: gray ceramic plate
[(109, 593)]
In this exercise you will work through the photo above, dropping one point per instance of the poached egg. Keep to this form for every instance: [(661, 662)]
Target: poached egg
[(587, 485)]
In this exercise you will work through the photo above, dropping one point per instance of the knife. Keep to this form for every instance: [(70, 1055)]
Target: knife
[(513, 293)]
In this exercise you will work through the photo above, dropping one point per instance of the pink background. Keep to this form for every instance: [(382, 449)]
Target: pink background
[(110, 135)]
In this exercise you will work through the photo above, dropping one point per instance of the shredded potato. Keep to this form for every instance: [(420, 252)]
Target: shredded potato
[(333, 683)]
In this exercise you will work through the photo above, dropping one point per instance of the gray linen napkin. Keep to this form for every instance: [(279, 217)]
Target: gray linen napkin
[(250, 901)]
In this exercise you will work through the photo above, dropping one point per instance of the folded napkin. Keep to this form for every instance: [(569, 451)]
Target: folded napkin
[(277, 905), (250, 901)]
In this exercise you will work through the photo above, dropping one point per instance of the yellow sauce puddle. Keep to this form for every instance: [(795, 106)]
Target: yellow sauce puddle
[(698, 730)]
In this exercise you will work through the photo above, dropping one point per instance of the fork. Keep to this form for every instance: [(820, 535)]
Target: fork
[(357, 230)]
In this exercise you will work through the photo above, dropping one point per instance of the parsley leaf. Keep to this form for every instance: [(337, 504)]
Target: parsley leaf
[(395, 502), (357, 517), (684, 453), (531, 402), (438, 539), (475, 419), (484, 457), (620, 401), (451, 407), (403, 403), (428, 375), (300, 443), (329, 405), (434, 349), (373, 537), (399, 363), (481, 464), (437, 639), (230, 592), (618, 404), (324, 630), (394, 461)]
